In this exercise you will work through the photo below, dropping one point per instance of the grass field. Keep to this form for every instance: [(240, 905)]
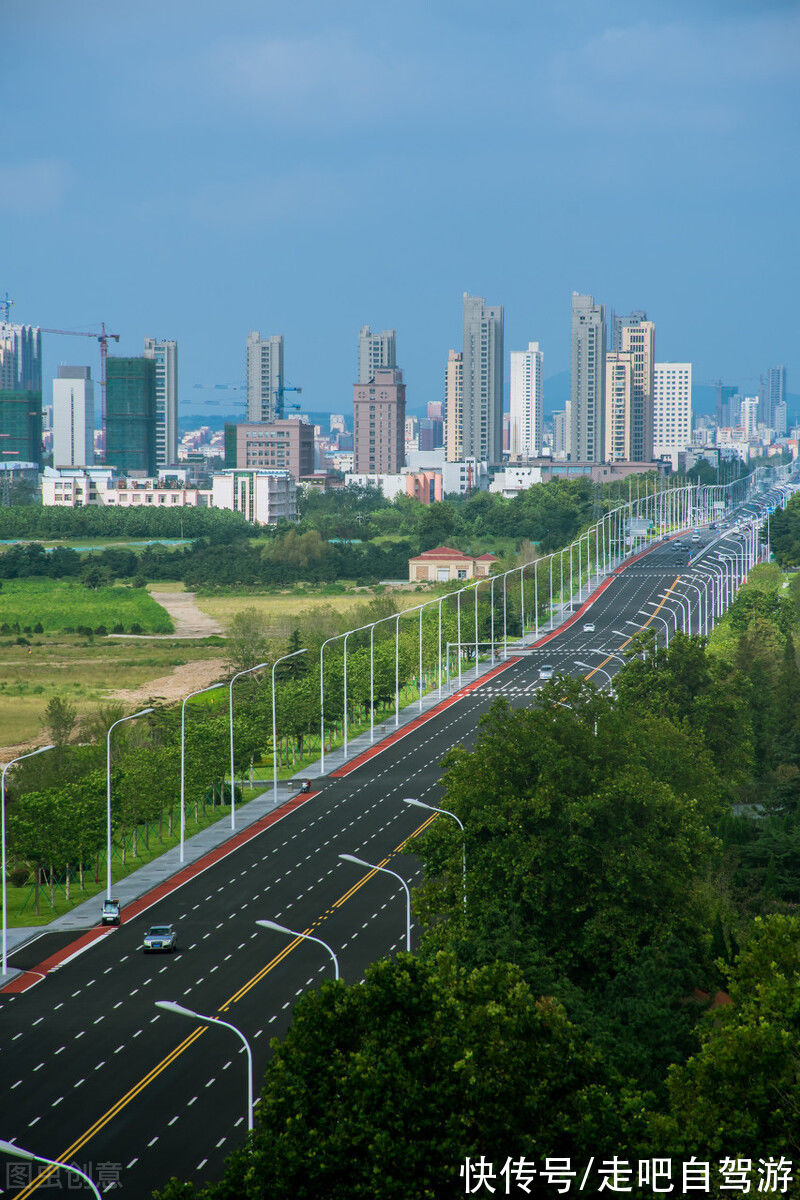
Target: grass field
[(83, 672), (58, 604), (282, 611)]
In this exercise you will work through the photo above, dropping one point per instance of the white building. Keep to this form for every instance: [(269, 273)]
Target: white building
[(748, 416), (375, 351), (165, 354), (264, 375), (672, 410), (73, 417), (527, 395), (262, 496), (515, 479), (482, 381), (465, 477)]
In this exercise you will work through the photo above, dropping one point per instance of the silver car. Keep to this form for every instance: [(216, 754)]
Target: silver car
[(546, 671), (161, 937)]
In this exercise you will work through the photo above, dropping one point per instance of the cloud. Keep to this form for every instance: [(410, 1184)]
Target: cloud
[(322, 80), (305, 194), (33, 187), (707, 75)]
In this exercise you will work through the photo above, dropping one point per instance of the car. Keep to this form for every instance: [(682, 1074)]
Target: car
[(110, 914), (588, 627), (160, 937), (695, 537), (546, 671)]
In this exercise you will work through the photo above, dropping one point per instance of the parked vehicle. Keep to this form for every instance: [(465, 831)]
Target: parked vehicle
[(110, 914)]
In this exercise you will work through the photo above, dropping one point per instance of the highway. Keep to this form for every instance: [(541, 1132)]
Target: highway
[(94, 1072)]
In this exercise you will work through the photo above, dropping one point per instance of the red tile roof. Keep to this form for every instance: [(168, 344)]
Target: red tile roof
[(444, 552)]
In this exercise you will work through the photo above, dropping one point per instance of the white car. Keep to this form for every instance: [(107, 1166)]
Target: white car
[(546, 671), (161, 937), (588, 627)]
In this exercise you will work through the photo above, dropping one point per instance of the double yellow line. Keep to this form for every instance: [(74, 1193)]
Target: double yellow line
[(178, 1050), (628, 641)]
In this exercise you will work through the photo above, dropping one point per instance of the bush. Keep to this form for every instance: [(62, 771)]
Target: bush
[(38, 627), (118, 628), (136, 628), (21, 641), (101, 631)]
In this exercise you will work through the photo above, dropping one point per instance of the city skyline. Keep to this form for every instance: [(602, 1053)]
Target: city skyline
[(695, 156)]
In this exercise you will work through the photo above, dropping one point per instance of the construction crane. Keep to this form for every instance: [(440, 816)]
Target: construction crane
[(280, 398), (103, 337)]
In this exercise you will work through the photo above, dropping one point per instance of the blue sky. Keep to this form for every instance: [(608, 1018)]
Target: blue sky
[(195, 169)]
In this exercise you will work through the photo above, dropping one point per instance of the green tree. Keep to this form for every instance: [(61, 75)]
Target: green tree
[(247, 642)]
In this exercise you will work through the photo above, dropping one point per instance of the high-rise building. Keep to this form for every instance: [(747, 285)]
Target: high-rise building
[(264, 376), (165, 356), (587, 387), (375, 351), (639, 341), (780, 418), (482, 404), (453, 406), (73, 418), (748, 416), (20, 393), (618, 406), (619, 322), (379, 421), (527, 398), (672, 410), (20, 358), (773, 392), (727, 405), (560, 430), (286, 445), (435, 410), (131, 414)]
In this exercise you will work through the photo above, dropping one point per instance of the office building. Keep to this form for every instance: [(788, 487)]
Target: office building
[(73, 417), (527, 394), (376, 351), (618, 406), (780, 418), (165, 356), (379, 419), (587, 385), (482, 402), (672, 410), (263, 497), (280, 445), (773, 392), (131, 415), (638, 340), (264, 368), (453, 405)]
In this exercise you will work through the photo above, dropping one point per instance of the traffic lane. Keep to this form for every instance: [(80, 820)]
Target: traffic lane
[(156, 1130)]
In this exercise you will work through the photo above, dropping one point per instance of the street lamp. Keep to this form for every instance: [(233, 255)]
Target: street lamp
[(238, 675), (309, 937), (446, 813), (374, 867), (142, 713), (31, 754), (179, 1010), (588, 667), (274, 729), (28, 1156), (657, 616), (199, 692)]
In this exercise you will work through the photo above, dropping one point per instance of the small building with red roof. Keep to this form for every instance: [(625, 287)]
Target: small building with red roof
[(444, 565)]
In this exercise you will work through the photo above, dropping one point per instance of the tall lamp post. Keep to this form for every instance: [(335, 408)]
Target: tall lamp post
[(32, 754), (199, 692), (274, 727), (181, 1011), (17, 1152), (309, 937), (142, 713), (238, 675), (445, 812), (360, 862)]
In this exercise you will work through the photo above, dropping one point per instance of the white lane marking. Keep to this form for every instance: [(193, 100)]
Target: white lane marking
[(132, 1163), (152, 1142), (102, 1063)]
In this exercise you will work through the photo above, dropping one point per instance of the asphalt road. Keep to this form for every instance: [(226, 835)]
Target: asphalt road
[(91, 1070)]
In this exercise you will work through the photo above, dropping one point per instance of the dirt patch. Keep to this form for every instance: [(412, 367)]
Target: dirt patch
[(188, 619), (180, 681)]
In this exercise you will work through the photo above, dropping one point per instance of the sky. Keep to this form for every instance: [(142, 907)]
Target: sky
[(195, 170)]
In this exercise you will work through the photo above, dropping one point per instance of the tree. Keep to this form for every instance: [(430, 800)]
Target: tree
[(741, 1092), (60, 718), (384, 1088), (247, 640)]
